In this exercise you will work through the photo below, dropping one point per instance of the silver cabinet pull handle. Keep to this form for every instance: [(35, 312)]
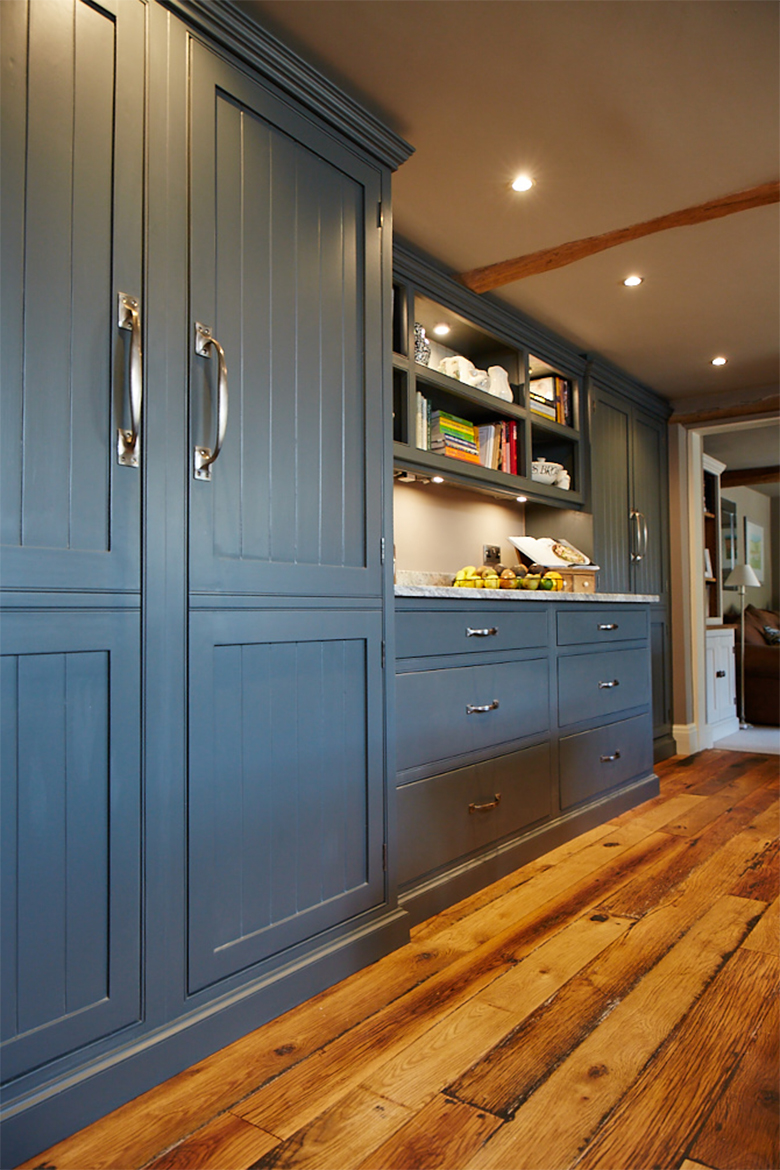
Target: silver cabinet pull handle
[(494, 803), (633, 530), (609, 759), (645, 534), (605, 686), (607, 626), (481, 633), (474, 710), (205, 456), (128, 443)]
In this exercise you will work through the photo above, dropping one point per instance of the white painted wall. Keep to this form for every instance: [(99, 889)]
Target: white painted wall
[(440, 529)]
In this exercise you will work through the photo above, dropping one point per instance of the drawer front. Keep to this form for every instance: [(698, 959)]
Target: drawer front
[(602, 683), (435, 709), (595, 761), (451, 815), (600, 626), (421, 635)]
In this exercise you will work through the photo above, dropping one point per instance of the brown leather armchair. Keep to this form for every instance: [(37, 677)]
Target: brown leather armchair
[(762, 668)]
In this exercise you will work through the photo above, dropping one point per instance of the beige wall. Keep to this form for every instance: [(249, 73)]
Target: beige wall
[(441, 529), (758, 508)]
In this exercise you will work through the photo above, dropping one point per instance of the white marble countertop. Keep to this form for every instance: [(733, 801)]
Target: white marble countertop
[(501, 595)]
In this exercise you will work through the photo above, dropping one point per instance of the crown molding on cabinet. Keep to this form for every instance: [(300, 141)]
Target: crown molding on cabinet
[(228, 25)]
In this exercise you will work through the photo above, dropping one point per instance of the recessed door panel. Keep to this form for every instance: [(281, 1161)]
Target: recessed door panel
[(286, 781), (71, 832)]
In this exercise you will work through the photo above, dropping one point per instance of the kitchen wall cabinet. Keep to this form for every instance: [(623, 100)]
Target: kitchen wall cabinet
[(486, 334), (630, 514), (193, 679)]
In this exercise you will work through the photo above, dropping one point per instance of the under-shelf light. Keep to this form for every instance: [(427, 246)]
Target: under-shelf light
[(522, 183), (522, 499), (633, 281), (719, 361), (441, 330), (437, 479)]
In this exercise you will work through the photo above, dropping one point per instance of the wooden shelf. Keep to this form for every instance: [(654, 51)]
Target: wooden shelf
[(473, 337)]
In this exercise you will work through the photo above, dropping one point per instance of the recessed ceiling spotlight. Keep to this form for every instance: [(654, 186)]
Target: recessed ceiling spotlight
[(441, 330), (719, 361), (522, 499), (633, 281), (437, 479), (522, 183)]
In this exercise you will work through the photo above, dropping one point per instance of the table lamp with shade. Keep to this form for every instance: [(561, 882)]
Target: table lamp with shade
[(740, 577)]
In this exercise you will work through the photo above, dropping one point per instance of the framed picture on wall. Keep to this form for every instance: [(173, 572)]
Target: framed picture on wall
[(754, 547), (728, 528)]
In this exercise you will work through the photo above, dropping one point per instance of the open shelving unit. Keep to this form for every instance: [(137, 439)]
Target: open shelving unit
[(541, 422)]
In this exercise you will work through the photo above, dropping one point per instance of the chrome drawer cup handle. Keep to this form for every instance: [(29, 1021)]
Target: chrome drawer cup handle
[(471, 709), (481, 633), (609, 759), (605, 686), (607, 626)]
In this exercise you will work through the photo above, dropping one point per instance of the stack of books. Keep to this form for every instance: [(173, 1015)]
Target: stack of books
[(498, 446), (423, 423), (454, 436), (550, 397)]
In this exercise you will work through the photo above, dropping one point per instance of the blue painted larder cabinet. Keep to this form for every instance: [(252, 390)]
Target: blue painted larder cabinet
[(193, 685)]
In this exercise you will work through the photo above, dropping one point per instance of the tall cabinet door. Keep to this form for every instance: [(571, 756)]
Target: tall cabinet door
[(72, 202), (72, 186), (285, 264), (611, 491), (286, 776), (649, 494)]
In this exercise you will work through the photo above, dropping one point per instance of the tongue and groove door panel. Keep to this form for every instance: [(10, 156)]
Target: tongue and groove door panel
[(285, 255), (72, 222), (71, 860), (72, 166), (286, 818)]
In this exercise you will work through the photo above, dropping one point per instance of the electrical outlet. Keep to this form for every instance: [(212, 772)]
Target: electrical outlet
[(491, 554)]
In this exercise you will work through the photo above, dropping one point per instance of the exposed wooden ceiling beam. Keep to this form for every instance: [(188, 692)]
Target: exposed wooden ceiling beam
[(750, 475), (506, 271), (769, 405)]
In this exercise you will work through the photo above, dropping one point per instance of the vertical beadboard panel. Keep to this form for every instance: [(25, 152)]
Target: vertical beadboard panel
[(87, 828), (13, 167), (70, 822), (225, 491), (333, 410), (309, 292), (279, 805), (256, 352), (68, 325), (42, 837), (355, 438), (60, 791), (288, 273), (611, 495), (48, 257), (649, 467), (282, 503), (91, 317), (9, 748)]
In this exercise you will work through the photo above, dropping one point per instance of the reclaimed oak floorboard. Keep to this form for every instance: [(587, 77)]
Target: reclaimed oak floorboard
[(610, 1005)]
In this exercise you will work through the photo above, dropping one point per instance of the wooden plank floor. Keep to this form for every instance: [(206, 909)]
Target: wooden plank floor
[(611, 1005)]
